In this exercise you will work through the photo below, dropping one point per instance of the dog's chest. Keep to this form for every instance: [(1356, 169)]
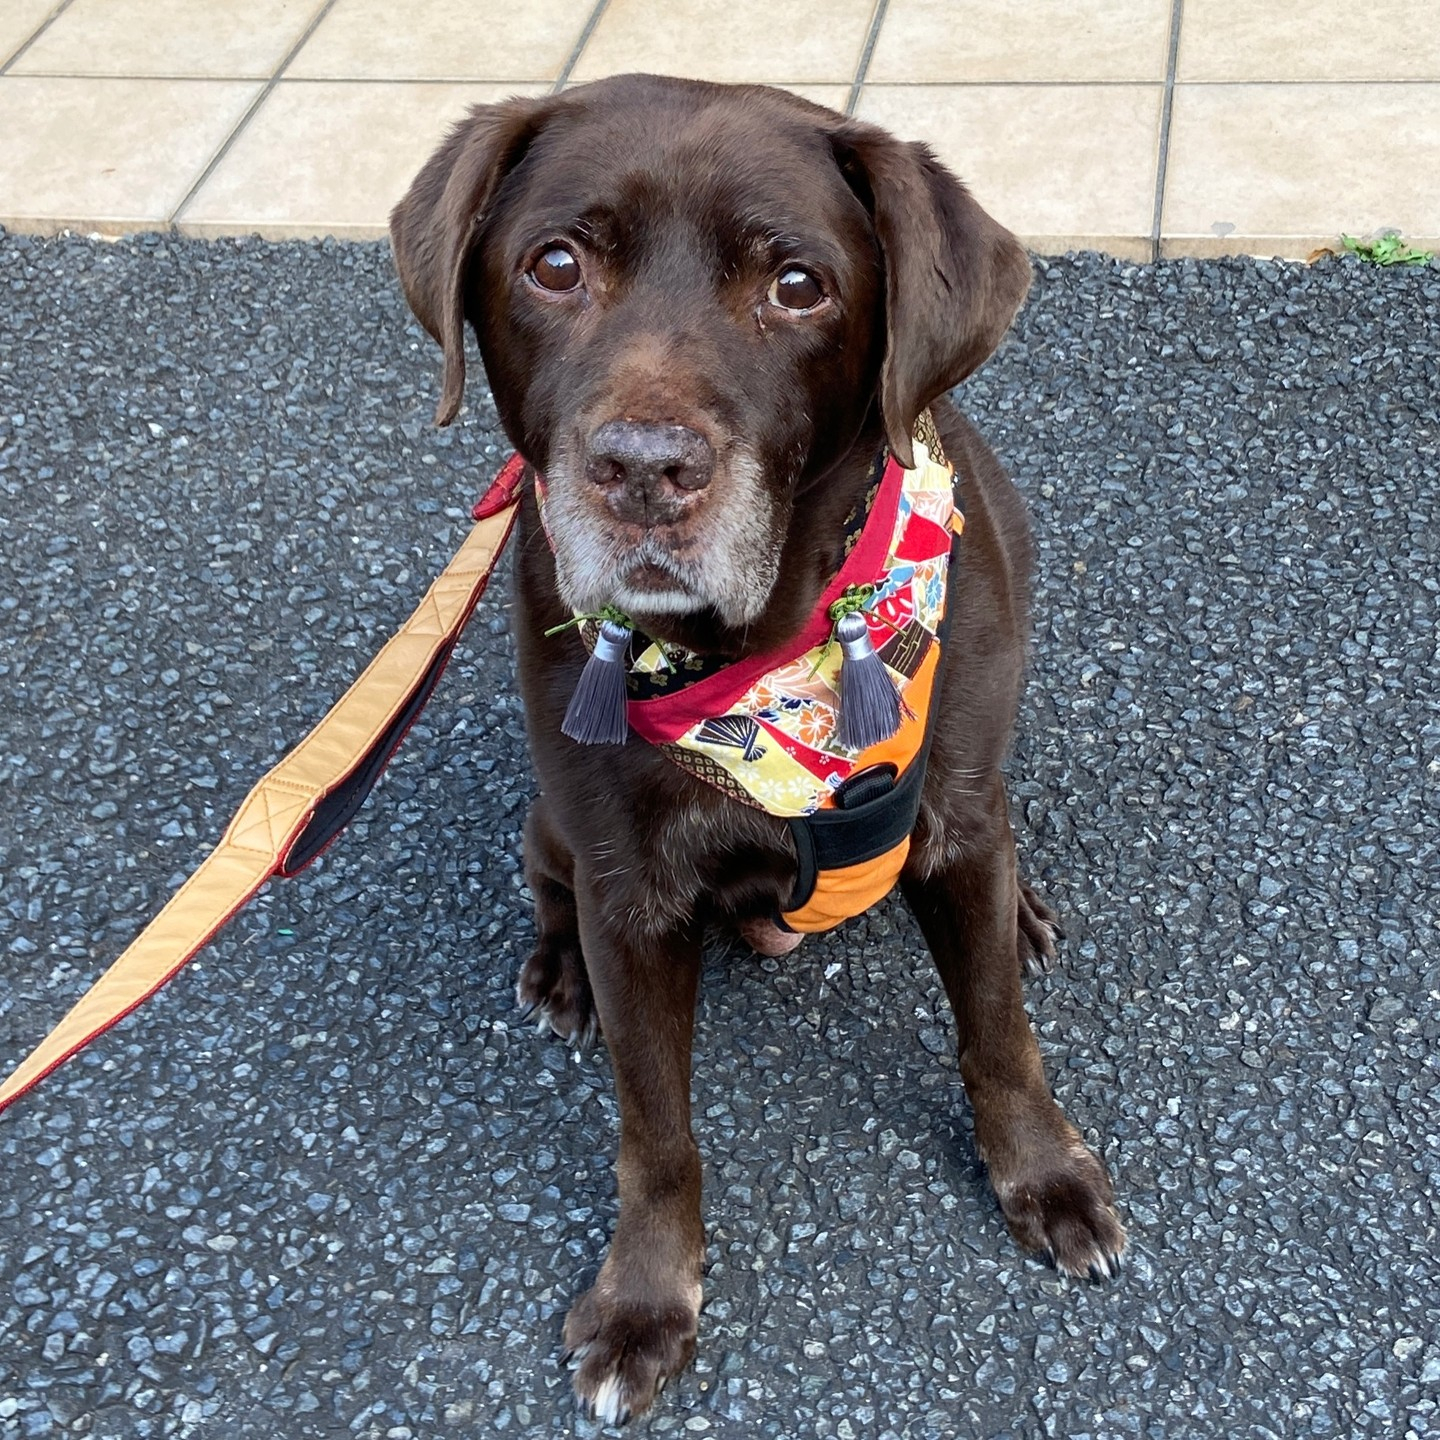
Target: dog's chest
[(704, 851)]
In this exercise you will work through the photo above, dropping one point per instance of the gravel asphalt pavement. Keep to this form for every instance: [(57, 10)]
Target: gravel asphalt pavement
[(326, 1185)]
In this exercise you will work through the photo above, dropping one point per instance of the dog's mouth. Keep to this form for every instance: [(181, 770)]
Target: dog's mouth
[(654, 581), (722, 557), (648, 578)]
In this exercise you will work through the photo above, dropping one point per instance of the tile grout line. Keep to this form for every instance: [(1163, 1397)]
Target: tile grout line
[(862, 68), (1167, 109), (249, 115), (35, 34), (574, 57)]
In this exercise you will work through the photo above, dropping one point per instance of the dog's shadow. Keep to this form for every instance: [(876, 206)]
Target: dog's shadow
[(844, 1047)]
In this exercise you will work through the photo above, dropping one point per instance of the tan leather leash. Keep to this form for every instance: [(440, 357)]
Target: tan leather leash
[(305, 801)]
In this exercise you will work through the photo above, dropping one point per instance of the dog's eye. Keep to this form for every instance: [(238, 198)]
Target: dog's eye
[(796, 289), (556, 269)]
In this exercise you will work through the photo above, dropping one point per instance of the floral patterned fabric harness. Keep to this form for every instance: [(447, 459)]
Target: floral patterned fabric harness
[(766, 731)]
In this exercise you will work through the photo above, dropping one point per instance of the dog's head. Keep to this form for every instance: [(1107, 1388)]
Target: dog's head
[(691, 300)]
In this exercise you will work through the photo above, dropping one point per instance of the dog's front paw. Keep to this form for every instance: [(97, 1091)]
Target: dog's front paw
[(554, 985), (623, 1352), (1058, 1199)]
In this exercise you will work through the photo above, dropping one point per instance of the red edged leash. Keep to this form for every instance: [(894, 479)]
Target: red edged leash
[(303, 803)]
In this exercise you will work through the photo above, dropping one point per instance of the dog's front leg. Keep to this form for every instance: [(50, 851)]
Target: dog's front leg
[(635, 1327), (1054, 1193)]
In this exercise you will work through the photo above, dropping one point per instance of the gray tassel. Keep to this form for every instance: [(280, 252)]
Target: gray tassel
[(596, 715), (869, 703)]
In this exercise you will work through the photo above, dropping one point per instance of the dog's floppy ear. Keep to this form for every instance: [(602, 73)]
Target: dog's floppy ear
[(954, 278), (433, 228)]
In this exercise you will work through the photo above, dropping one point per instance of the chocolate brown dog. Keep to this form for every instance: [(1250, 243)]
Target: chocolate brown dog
[(704, 311)]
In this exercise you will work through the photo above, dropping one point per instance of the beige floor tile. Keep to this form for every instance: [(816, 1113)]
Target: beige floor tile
[(834, 96), (730, 40), (169, 37), (19, 20), (1313, 40), (1280, 169), (442, 40), (967, 41), (329, 157), (109, 155), (1064, 166)]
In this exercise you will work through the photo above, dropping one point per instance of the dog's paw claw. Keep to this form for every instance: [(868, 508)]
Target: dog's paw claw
[(621, 1356), (1089, 1239), (1036, 966), (1036, 932), (554, 991), (1060, 1205)]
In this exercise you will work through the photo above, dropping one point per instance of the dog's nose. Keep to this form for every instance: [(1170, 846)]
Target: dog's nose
[(650, 473)]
